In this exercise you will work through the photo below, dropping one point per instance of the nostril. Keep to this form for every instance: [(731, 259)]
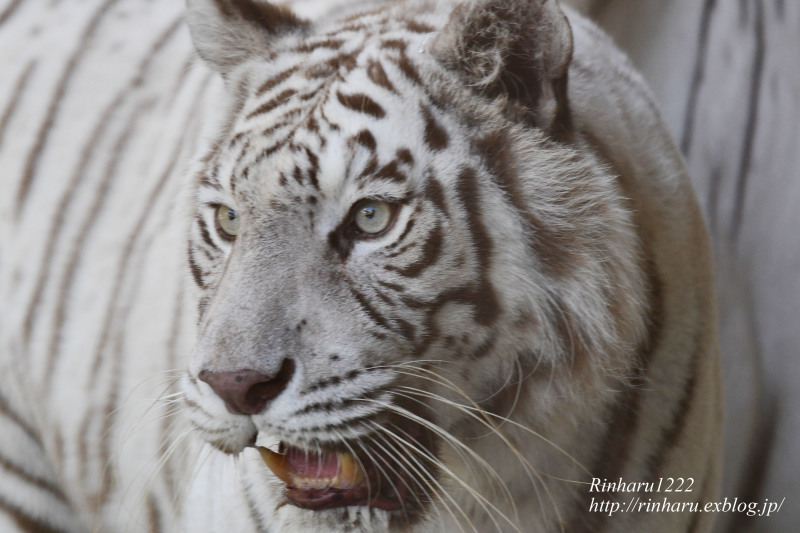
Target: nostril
[(248, 391)]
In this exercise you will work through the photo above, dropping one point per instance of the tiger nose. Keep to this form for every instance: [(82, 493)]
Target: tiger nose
[(247, 391)]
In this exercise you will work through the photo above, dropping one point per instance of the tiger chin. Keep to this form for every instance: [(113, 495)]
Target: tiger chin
[(449, 270)]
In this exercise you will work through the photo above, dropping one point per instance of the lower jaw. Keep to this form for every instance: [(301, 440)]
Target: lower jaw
[(316, 500)]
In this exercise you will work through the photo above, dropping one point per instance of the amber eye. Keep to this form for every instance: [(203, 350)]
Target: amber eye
[(227, 222), (373, 217)]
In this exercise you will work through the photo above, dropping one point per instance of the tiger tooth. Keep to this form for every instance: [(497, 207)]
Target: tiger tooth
[(350, 473), (278, 463)]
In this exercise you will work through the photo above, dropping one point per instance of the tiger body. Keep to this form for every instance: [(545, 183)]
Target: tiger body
[(538, 311)]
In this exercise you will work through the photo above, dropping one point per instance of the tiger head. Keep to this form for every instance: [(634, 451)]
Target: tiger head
[(406, 258)]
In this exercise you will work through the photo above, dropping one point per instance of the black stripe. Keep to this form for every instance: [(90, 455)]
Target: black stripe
[(19, 89), (550, 245), (32, 163), (487, 308), (697, 77), (753, 102)]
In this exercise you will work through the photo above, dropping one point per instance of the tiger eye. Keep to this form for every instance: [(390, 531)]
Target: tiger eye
[(227, 222), (372, 217)]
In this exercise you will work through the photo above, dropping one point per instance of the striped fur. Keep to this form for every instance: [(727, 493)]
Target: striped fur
[(538, 312), (724, 73)]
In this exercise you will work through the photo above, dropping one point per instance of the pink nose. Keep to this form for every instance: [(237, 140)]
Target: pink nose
[(246, 391)]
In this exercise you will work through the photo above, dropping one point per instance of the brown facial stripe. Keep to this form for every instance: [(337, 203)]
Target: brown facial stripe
[(404, 329), (208, 180), (335, 405), (331, 43), (391, 286), (549, 246), (377, 75), (313, 169), (204, 234), (408, 69), (430, 254), (390, 172), (406, 231), (435, 194), (277, 101), (402, 250), (276, 80), (394, 44), (404, 155), (416, 26), (362, 103), (487, 308), (435, 136), (365, 139), (288, 119), (270, 17)]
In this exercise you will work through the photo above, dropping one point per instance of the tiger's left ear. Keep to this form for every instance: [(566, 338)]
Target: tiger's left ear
[(227, 33), (515, 50)]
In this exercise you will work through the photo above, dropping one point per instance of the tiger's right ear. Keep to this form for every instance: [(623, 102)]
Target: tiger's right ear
[(226, 33), (516, 51)]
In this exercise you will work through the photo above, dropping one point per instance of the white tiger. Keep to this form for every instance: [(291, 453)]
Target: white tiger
[(445, 269)]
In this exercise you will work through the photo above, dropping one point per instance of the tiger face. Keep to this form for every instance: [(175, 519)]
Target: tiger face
[(397, 247)]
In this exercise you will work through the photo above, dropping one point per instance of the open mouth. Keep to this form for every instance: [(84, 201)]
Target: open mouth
[(326, 479)]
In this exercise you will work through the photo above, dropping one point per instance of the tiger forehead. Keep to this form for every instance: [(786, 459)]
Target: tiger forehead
[(364, 71), (307, 72)]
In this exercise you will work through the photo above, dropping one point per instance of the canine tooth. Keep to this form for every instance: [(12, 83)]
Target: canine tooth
[(276, 462), (350, 472)]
